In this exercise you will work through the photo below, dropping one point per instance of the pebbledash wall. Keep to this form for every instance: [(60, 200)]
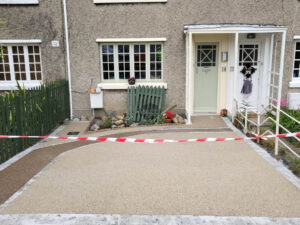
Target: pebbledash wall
[(89, 21), (41, 21)]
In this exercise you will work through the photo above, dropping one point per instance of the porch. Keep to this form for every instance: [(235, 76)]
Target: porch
[(215, 55)]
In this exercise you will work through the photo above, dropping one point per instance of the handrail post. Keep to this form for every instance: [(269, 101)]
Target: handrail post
[(246, 121), (283, 40), (258, 125)]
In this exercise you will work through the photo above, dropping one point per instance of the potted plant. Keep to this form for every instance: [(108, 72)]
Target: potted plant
[(168, 116), (131, 80)]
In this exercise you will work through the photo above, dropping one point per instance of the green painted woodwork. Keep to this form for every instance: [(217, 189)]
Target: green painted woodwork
[(32, 112), (206, 81), (145, 103)]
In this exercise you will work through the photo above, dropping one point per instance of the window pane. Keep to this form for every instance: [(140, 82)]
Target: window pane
[(298, 46), (4, 64), (140, 61), (248, 55), (297, 55), (296, 65), (296, 74), (111, 49), (155, 61), (2, 76), (32, 76), (124, 58), (108, 61), (34, 62), (30, 49), (39, 76)]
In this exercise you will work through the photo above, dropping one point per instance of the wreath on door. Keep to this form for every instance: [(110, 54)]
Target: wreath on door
[(247, 72)]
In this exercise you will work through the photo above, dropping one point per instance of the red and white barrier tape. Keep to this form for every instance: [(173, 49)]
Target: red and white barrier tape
[(135, 140)]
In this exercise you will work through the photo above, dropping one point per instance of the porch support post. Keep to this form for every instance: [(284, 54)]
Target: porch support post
[(270, 68), (283, 40), (188, 90), (236, 59)]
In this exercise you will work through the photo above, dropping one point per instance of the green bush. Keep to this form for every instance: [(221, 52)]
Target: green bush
[(128, 120), (294, 165), (107, 123), (287, 122)]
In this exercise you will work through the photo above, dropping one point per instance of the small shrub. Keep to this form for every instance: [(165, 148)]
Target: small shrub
[(294, 165), (107, 123), (128, 120)]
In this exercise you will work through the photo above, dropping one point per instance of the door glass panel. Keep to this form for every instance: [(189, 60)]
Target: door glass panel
[(206, 55), (248, 55)]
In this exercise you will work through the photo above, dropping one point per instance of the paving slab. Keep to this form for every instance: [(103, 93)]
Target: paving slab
[(215, 179)]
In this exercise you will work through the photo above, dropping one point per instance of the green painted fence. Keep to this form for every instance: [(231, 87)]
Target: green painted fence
[(145, 103), (31, 112)]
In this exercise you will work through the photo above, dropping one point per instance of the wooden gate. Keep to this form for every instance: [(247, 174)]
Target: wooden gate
[(145, 103)]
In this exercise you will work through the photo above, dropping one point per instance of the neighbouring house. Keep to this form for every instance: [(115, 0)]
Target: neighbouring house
[(194, 49)]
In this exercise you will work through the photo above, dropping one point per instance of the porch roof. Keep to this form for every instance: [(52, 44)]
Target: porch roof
[(234, 28)]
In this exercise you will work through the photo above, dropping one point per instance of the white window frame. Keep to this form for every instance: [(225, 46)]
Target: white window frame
[(17, 2), (12, 84), (295, 83), (127, 1), (131, 60)]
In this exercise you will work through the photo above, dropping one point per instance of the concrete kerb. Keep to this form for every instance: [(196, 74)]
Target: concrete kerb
[(280, 167), (99, 219)]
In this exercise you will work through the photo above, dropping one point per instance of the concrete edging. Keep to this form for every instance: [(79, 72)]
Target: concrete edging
[(280, 167), (99, 219)]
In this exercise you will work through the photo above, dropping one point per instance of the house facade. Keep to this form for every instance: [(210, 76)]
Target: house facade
[(194, 49)]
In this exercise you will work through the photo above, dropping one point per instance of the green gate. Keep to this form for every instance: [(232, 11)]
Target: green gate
[(145, 103)]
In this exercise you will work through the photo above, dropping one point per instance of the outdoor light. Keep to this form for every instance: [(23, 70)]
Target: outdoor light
[(251, 36)]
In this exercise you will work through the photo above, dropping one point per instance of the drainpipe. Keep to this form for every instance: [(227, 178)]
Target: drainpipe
[(68, 56)]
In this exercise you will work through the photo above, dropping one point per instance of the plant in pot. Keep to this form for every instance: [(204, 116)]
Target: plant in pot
[(168, 116), (131, 80)]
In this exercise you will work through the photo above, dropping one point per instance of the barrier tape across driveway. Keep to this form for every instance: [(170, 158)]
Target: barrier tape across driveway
[(136, 140)]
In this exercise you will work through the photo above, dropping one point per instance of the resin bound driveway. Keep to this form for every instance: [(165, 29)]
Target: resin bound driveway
[(212, 179)]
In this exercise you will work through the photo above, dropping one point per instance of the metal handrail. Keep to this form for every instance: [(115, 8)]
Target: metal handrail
[(244, 115)]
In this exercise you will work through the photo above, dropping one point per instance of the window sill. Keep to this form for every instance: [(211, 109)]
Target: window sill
[(7, 86), (127, 1), (124, 86), (294, 84), (18, 2)]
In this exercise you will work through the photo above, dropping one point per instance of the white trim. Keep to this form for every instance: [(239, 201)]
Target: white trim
[(126, 1), (16, 41), (68, 56), (124, 86), (12, 85), (295, 83), (296, 37), (131, 61), (233, 28), (120, 40), (19, 2)]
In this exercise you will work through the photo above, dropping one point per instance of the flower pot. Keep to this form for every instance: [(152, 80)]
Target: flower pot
[(131, 81), (167, 120)]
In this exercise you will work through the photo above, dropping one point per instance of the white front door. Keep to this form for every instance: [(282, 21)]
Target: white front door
[(206, 78), (249, 54)]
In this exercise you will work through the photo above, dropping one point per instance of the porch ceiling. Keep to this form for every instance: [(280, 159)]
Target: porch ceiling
[(233, 28)]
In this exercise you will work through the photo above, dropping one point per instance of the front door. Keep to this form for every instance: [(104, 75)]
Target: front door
[(206, 78), (250, 56)]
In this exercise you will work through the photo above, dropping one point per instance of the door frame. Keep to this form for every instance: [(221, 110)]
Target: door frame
[(218, 62)]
